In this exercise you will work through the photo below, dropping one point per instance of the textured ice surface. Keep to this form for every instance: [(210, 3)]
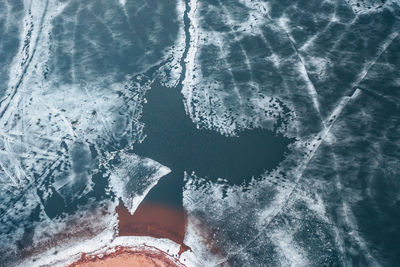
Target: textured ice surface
[(364, 6), (73, 79), (72, 87), (133, 177), (242, 51), (336, 70)]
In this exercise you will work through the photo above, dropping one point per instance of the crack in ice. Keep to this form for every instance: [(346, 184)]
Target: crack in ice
[(298, 173)]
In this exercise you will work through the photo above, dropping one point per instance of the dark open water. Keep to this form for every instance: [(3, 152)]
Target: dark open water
[(69, 105), (174, 141)]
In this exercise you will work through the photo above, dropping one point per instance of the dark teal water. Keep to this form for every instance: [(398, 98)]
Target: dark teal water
[(175, 141), (76, 71)]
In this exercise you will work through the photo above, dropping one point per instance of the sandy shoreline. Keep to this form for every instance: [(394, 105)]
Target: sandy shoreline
[(123, 256), (153, 236), (153, 220)]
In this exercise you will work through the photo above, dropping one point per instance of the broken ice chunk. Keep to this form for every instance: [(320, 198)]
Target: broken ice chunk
[(133, 177)]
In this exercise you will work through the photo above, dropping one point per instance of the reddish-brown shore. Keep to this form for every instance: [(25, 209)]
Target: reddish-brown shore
[(153, 220), (124, 257)]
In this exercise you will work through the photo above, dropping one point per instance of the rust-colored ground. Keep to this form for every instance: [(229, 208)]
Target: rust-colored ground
[(153, 220), (126, 258)]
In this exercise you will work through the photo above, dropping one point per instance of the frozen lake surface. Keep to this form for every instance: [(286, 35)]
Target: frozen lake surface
[(273, 125)]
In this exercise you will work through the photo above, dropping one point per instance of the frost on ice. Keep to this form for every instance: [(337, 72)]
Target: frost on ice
[(336, 71), (134, 177), (73, 81)]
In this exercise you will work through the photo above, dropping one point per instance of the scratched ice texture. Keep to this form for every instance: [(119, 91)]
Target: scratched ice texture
[(73, 80), (335, 66)]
